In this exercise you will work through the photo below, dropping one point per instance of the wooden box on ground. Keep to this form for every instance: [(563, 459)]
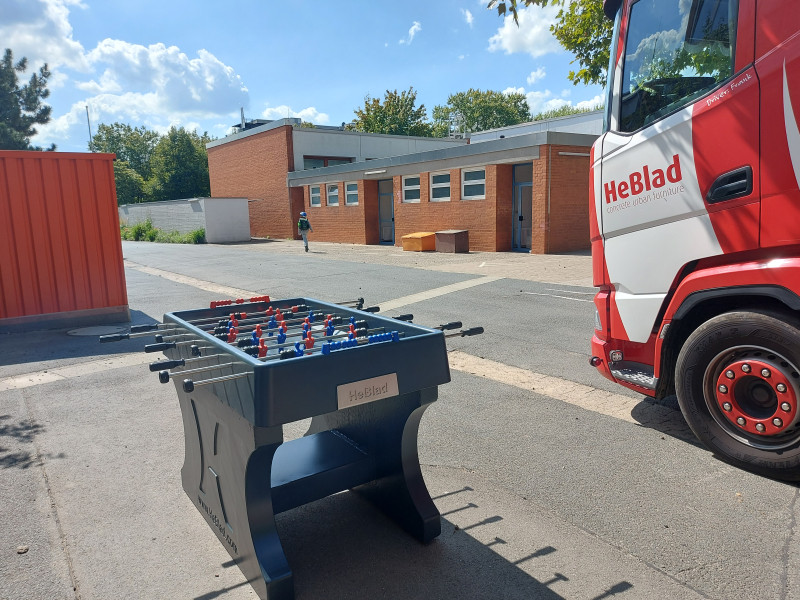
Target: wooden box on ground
[(452, 240), (423, 241)]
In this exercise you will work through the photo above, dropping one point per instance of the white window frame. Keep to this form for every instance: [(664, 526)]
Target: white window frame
[(465, 183), (348, 194), (312, 195), (407, 187), (441, 185), (328, 187)]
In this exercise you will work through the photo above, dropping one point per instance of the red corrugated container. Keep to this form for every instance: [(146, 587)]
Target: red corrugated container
[(60, 249)]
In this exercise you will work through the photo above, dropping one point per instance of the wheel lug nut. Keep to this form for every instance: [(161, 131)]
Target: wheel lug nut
[(746, 368), (741, 421), (781, 387), (760, 427), (786, 406), (777, 422), (723, 389), (726, 406), (730, 374), (765, 373)]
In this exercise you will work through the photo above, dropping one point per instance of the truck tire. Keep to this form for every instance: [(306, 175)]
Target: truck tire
[(738, 386)]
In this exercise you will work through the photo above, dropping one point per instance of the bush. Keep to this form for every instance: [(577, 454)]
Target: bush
[(145, 231)]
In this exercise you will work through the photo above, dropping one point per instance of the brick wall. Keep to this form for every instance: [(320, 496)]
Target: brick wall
[(479, 217), (343, 223), (256, 167), (569, 200)]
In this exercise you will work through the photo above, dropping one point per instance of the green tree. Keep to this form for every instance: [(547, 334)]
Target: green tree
[(476, 110), (179, 166), (580, 27), (21, 107), (130, 185), (396, 115), (132, 145)]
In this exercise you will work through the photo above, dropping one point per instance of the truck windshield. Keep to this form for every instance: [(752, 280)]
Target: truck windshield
[(675, 52)]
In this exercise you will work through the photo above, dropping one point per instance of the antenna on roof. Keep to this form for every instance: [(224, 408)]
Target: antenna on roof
[(243, 125)]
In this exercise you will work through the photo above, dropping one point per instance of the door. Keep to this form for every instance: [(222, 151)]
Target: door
[(521, 217), (386, 211)]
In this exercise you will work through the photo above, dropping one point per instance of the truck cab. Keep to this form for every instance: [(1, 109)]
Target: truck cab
[(695, 220)]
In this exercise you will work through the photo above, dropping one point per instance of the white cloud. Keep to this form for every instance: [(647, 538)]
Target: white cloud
[(543, 101), (467, 16), (40, 31), (309, 114), (415, 29), (598, 100), (162, 87), (532, 36), (536, 75)]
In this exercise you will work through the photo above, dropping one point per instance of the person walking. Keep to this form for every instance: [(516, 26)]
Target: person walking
[(303, 226)]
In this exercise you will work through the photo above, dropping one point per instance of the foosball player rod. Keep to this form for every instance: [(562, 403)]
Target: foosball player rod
[(221, 303), (357, 303), (336, 321), (189, 385), (163, 376), (448, 326), (359, 333), (244, 315), (116, 337), (160, 346)]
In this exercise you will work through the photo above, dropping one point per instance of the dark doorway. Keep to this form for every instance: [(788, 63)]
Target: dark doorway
[(386, 211), (522, 210)]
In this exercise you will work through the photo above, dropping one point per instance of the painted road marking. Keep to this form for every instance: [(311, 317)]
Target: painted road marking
[(557, 296), (571, 292), (208, 286), (577, 394), (436, 292), (85, 368)]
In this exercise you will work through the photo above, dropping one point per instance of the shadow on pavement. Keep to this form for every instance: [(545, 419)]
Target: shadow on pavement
[(18, 434), (343, 548), (55, 344)]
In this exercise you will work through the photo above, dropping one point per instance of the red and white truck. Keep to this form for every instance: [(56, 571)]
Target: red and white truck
[(695, 220)]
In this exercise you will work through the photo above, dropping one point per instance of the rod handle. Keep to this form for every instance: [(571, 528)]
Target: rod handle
[(408, 317), (166, 364), (163, 376), (451, 325), (471, 331), (188, 386), (114, 337), (160, 347), (372, 309), (147, 327)]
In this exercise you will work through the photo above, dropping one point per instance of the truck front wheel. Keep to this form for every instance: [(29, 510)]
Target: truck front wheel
[(738, 386)]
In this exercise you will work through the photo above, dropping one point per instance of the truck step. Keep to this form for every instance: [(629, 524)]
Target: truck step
[(635, 373)]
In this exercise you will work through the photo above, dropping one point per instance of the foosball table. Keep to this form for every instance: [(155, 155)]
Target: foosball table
[(244, 369)]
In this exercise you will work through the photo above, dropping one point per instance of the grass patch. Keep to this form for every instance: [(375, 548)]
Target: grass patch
[(145, 232)]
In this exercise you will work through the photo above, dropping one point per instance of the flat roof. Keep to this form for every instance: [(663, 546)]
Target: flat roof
[(511, 149), (295, 124)]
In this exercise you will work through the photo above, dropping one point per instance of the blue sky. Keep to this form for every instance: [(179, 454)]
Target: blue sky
[(195, 64)]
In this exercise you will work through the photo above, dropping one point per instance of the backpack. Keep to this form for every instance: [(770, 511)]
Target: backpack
[(302, 224)]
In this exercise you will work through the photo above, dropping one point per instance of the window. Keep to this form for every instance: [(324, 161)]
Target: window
[(676, 51), (333, 193), (473, 184), (314, 195), (440, 187), (317, 162), (351, 193), (411, 189)]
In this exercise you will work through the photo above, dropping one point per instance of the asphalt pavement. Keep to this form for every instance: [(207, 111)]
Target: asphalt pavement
[(553, 482)]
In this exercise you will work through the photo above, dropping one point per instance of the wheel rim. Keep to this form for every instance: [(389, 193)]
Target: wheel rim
[(752, 393)]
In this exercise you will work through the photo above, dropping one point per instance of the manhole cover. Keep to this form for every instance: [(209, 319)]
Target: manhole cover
[(97, 330)]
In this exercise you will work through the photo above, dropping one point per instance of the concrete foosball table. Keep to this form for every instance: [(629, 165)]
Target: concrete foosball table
[(366, 401)]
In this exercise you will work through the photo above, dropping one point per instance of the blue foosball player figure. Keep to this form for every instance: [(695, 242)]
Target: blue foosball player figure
[(303, 226)]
